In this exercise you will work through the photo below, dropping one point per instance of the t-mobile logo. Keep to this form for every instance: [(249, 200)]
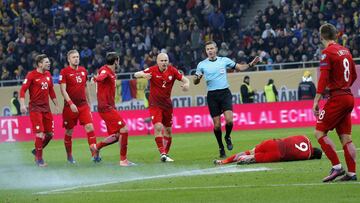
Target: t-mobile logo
[(9, 127)]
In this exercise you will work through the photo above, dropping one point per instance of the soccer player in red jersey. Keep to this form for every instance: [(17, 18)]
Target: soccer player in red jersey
[(116, 126), (337, 73), (291, 148), (40, 85), (76, 103), (162, 77)]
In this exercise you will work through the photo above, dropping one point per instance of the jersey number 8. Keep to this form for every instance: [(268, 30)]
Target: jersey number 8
[(347, 70)]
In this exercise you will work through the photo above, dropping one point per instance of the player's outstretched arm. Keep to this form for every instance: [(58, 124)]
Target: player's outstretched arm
[(142, 74), (242, 67), (186, 83)]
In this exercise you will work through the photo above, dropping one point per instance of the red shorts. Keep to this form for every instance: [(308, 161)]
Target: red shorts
[(70, 119), (159, 115), (113, 121), (42, 122), (267, 151), (336, 114)]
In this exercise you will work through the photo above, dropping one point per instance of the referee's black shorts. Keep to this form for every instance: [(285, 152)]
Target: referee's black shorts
[(219, 101)]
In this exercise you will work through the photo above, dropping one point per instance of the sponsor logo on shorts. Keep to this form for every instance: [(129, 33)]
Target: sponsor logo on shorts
[(119, 123)]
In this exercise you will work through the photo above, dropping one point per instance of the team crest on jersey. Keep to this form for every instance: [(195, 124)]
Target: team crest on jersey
[(103, 72), (48, 78), (25, 81), (82, 73), (323, 56), (170, 77)]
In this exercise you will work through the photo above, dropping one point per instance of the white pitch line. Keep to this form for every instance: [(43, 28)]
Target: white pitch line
[(342, 151), (208, 171), (206, 187)]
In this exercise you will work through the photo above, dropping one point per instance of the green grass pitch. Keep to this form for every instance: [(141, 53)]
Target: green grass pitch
[(191, 178)]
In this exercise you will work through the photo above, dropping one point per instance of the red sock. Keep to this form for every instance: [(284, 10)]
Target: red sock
[(229, 159), (46, 140), (350, 156), (68, 144), (247, 152), (38, 148), (167, 144), (329, 149), (111, 139), (91, 137), (123, 145), (160, 144)]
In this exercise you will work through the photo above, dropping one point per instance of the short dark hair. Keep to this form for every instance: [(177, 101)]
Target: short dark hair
[(111, 57), (317, 153), (210, 42), (39, 58), (328, 31)]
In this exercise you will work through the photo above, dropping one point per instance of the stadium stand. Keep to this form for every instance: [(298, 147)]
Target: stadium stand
[(138, 30)]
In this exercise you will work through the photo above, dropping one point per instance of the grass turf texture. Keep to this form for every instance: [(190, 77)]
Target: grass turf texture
[(191, 178)]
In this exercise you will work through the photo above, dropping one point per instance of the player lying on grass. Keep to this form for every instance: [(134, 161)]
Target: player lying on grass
[(291, 148)]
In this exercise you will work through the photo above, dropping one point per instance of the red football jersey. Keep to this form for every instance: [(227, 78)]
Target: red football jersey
[(75, 80), (161, 84), (106, 85), (40, 87), (337, 69), (295, 148)]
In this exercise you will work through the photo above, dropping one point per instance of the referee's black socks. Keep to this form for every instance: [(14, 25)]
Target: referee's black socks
[(228, 127), (217, 133)]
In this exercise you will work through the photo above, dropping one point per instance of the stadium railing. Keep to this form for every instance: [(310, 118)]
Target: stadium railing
[(261, 67)]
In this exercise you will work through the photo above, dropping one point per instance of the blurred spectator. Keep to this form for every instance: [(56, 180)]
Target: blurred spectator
[(56, 75), (269, 65), (94, 27), (268, 31), (15, 105), (270, 91), (5, 74), (306, 90), (224, 50), (246, 92)]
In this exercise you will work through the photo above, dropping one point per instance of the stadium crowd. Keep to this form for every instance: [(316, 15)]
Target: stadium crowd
[(139, 30)]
